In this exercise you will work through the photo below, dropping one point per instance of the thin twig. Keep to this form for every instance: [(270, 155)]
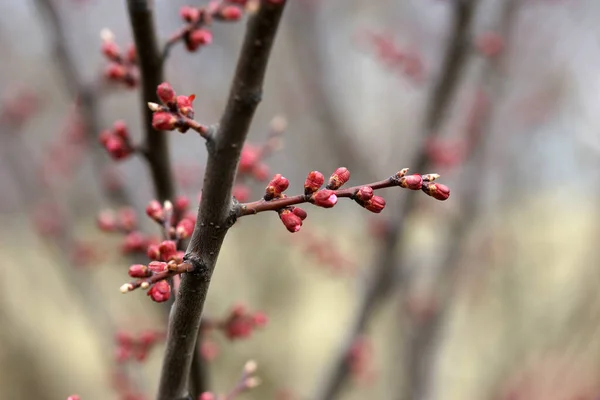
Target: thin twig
[(214, 211), (382, 280)]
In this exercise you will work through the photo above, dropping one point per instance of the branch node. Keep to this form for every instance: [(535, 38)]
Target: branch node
[(199, 268)]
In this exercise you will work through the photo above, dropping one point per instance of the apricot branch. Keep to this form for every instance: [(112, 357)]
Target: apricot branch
[(363, 195)]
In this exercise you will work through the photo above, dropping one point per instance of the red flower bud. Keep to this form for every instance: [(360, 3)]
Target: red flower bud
[(134, 242), (197, 38), (107, 221), (115, 71), (412, 182), (167, 248), (160, 291), (313, 182), (166, 94), (120, 130), (241, 193), (111, 50), (261, 172), (157, 266), (153, 252), (164, 121), (181, 204), (291, 221), (104, 136), (155, 211), (325, 198), (248, 158), (277, 186), (300, 213), (189, 14), (184, 229), (230, 13), (117, 148), (184, 103), (375, 204), (127, 218), (365, 193), (437, 191), (338, 178), (139, 271)]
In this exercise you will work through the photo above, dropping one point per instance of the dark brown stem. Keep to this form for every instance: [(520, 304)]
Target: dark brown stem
[(382, 280), (141, 17), (214, 211)]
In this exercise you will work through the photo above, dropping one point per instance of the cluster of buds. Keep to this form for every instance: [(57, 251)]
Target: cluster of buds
[(292, 216), (137, 348), (167, 260), (405, 62), (122, 68), (238, 324), (246, 382), (124, 220), (116, 141), (176, 112), (199, 19)]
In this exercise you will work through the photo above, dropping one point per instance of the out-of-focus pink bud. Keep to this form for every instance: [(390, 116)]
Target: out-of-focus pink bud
[(241, 193), (184, 229), (166, 94), (155, 211), (157, 266), (189, 14), (164, 121), (185, 105), (139, 271)]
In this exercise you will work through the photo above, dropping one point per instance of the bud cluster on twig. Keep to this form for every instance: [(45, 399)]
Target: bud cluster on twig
[(246, 382), (122, 68)]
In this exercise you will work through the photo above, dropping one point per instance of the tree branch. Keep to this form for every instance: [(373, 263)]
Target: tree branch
[(141, 17), (383, 278), (213, 213)]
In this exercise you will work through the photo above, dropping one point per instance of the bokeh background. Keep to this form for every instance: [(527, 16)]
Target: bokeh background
[(492, 294)]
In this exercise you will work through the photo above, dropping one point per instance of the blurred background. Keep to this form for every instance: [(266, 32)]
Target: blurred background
[(492, 294)]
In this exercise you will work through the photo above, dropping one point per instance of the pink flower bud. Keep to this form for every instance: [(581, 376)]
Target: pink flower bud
[(248, 158), (277, 186), (111, 50), (365, 193), (76, 397), (115, 71), (181, 204), (117, 148), (160, 291), (166, 94), (164, 121), (437, 191), (189, 14), (139, 271), (107, 221), (291, 221), (168, 248), (127, 218), (206, 396), (241, 193), (157, 266), (338, 178), (120, 130), (197, 38), (260, 319), (230, 13), (153, 252), (134, 242), (132, 54), (325, 198), (155, 211), (104, 137), (261, 172), (313, 182), (300, 213), (184, 229), (489, 44), (412, 182), (184, 103), (376, 204)]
